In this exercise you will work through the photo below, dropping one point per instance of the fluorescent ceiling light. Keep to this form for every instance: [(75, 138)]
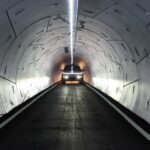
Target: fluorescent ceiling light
[(73, 12)]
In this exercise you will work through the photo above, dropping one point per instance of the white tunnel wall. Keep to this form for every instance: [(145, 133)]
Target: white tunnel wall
[(112, 36)]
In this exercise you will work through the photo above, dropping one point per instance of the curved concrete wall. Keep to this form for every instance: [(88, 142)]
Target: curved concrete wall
[(112, 37)]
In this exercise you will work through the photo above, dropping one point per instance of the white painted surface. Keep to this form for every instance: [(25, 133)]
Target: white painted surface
[(112, 37)]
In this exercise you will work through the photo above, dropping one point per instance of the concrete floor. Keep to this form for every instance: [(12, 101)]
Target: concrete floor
[(70, 117)]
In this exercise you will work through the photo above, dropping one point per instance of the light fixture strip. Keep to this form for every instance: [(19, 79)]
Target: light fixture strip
[(73, 12)]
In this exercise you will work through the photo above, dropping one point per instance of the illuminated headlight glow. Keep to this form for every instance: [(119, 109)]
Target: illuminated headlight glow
[(66, 77), (79, 76)]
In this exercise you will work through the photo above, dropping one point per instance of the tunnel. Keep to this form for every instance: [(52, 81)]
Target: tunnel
[(111, 45)]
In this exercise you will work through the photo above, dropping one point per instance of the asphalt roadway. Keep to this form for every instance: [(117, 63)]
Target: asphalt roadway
[(70, 117)]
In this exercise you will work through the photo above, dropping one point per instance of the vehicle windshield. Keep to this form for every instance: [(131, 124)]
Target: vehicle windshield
[(73, 68)]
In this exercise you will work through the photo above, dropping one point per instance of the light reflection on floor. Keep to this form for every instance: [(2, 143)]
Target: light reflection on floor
[(72, 82)]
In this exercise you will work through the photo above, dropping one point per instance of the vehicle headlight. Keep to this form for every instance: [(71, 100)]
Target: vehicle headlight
[(79, 76), (65, 76)]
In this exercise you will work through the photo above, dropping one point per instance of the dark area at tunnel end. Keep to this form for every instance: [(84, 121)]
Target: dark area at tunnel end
[(141, 122)]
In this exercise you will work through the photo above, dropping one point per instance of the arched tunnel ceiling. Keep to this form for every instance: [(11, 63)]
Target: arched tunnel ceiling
[(112, 39)]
